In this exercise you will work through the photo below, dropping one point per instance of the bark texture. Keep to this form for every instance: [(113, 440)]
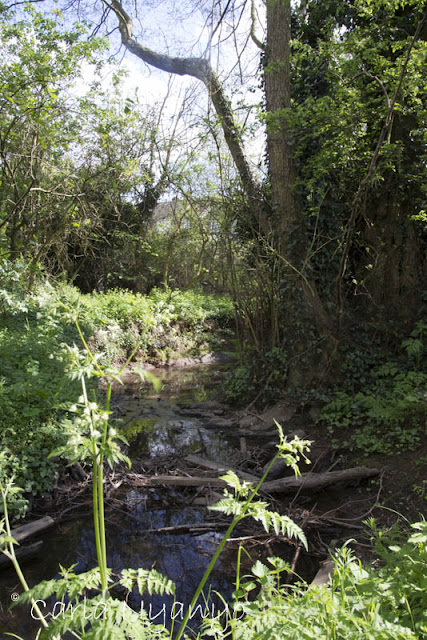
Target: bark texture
[(277, 77)]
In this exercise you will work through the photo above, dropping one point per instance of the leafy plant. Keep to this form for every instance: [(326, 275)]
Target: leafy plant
[(262, 377), (388, 415), (414, 344), (34, 391), (385, 604)]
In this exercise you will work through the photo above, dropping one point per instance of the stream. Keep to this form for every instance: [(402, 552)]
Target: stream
[(158, 426), (155, 426)]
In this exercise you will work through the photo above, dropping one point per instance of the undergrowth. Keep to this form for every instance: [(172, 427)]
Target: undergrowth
[(36, 326), (388, 413), (258, 377), (377, 405), (88, 609), (387, 603)]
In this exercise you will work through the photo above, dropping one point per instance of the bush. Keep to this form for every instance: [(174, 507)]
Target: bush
[(262, 378)]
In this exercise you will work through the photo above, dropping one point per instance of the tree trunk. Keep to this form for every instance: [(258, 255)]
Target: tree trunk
[(200, 69), (301, 305), (278, 99)]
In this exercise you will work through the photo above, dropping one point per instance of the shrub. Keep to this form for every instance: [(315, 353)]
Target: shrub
[(263, 378), (390, 411), (389, 603)]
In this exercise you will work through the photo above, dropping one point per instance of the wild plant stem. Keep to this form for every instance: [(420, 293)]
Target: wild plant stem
[(220, 547), (237, 586), (88, 351), (25, 586), (103, 559), (95, 508), (98, 477), (98, 503), (95, 454), (104, 576), (10, 553)]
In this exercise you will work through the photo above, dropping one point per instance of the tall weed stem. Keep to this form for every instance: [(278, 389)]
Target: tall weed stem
[(9, 552), (221, 545)]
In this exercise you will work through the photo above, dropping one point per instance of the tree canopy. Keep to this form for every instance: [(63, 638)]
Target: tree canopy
[(336, 223)]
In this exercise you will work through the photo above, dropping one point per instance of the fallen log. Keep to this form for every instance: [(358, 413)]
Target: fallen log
[(306, 481), (31, 528), (220, 468), (22, 555), (318, 481), (176, 481)]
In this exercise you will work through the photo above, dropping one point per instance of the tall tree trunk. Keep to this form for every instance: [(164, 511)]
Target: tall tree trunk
[(302, 308), (278, 98), (288, 230)]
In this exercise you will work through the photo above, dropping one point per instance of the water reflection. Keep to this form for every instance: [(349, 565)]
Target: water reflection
[(154, 424)]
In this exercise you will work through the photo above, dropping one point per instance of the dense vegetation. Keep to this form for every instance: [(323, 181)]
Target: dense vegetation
[(35, 392), (151, 225)]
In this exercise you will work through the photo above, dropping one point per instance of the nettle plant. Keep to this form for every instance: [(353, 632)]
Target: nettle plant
[(85, 606)]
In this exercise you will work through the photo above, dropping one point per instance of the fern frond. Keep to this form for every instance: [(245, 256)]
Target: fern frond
[(229, 506), (71, 585), (147, 580)]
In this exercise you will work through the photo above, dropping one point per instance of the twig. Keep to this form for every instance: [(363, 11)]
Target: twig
[(259, 537), (291, 572), (364, 515)]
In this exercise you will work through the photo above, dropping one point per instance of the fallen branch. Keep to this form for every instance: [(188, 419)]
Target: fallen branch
[(176, 481), (26, 530), (290, 576), (306, 481), (260, 538), (317, 481)]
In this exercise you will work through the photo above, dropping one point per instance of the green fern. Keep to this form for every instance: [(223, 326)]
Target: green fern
[(70, 585), (104, 619), (147, 580)]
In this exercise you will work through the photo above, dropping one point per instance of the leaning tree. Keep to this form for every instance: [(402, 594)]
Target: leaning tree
[(373, 55)]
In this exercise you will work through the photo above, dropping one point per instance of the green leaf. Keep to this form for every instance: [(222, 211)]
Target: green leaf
[(260, 570)]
